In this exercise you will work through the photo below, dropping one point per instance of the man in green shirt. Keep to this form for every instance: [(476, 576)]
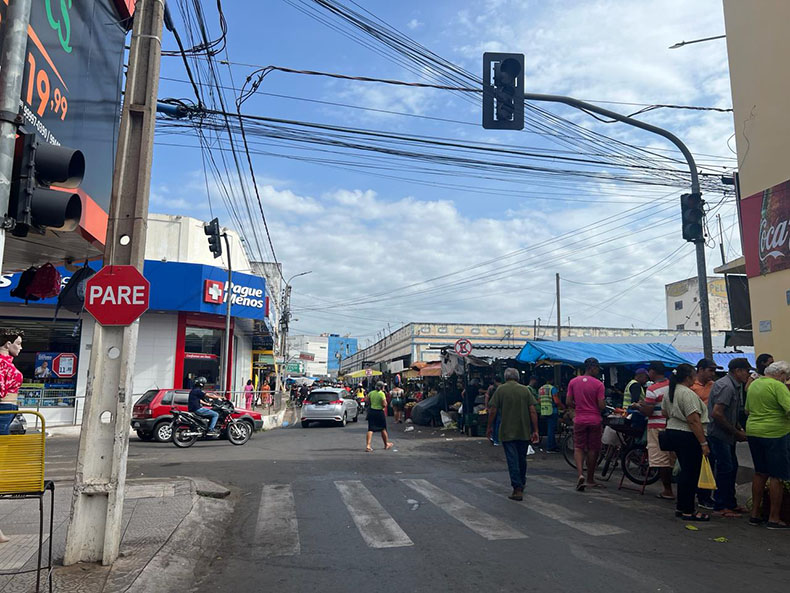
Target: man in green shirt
[(518, 427), (768, 433)]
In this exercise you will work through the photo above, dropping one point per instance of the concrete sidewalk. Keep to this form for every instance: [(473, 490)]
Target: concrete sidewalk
[(169, 525)]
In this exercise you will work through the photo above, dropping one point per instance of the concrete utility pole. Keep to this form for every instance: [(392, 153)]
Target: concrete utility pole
[(12, 70), (94, 532), (707, 343), (559, 328), (227, 375)]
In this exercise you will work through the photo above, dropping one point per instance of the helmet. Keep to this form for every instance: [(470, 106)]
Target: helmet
[(200, 381)]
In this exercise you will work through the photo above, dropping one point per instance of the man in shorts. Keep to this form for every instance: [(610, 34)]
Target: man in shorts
[(587, 399), (650, 407)]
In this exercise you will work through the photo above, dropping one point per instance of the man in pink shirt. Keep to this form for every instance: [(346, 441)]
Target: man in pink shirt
[(586, 398)]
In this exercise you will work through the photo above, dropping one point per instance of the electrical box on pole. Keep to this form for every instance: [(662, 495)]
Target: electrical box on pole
[(692, 215), (503, 91), (214, 242), (33, 204)]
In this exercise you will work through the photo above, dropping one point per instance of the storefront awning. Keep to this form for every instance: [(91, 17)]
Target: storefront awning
[(575, 353)]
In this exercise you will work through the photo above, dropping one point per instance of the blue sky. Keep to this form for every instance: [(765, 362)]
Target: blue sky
[(370, 238)]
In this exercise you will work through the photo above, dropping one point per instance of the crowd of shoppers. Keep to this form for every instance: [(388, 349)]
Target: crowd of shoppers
[(693, 419)]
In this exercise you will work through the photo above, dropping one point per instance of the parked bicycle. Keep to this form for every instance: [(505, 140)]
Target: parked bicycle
[(630, 453)]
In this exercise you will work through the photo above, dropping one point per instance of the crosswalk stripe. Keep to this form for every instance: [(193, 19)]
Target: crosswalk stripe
[(554, 511), (375, 525), (277, 530), (640, 506), (481, 523)]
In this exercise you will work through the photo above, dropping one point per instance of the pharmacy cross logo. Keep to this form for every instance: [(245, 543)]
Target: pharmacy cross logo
[(213, 292)]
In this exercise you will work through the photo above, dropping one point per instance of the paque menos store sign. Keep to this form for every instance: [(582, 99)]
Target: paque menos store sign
[(182, 287)]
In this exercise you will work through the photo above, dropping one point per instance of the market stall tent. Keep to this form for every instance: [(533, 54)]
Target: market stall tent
[(722, 359), (575, 353)]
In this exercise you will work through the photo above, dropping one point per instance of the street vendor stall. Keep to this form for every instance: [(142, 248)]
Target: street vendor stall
[(575, 353)]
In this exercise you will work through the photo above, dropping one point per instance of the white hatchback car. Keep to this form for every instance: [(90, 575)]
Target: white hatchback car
[(329, 404)]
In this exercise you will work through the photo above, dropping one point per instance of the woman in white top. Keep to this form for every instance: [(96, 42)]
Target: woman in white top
[(687, 419)]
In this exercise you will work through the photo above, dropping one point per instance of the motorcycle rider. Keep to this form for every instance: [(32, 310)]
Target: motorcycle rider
[(200, 405)]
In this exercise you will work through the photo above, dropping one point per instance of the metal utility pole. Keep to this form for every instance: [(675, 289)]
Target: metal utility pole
[(225, 383), (559, 337), (702, 279), (94, 532), (12, 70)]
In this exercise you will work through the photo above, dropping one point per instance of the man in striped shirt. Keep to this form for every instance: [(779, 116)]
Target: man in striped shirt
[(651, 408)]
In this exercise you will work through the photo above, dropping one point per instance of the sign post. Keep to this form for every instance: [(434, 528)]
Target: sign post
[(96, 518)]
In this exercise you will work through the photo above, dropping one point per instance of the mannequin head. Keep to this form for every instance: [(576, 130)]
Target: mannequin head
[(11, 341)]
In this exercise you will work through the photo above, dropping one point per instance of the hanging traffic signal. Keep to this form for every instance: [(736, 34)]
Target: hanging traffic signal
[(212, 230), (503, 91), (33, 203), (692, 215)]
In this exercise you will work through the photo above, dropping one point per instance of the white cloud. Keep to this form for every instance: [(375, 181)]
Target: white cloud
[(414, 24)]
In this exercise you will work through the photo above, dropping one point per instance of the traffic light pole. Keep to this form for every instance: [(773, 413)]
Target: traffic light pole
[(707, 343), (226, 381), (95, 521), (12, 70)]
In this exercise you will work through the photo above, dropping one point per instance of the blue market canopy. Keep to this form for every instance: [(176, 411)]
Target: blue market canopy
[(575, 353), (720, 358)]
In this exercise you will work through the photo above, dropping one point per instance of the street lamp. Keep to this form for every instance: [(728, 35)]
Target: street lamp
[(682, 43)]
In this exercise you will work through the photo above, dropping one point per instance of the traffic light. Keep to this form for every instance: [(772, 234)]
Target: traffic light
[(212, 230), (503, 91), (692, 215), (33, 204)]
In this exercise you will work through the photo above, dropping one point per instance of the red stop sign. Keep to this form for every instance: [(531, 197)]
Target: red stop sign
[(117, 295)]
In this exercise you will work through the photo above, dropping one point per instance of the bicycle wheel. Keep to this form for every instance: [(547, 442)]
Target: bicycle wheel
[(567, 449), (609, 461), (636, 466)]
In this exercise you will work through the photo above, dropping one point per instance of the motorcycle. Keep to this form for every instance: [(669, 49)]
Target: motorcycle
[(188, 427)]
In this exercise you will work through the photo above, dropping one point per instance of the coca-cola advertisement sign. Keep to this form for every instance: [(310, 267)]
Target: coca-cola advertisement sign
[(765, 218)]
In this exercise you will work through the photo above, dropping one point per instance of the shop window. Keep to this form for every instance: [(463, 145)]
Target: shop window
[(48, 362), (202, 350)]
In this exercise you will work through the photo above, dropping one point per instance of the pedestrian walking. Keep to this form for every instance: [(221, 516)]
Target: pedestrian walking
[(266, 394), (650, 407), (768, 432), (396, 400), (724, 431), (687, 418), (762, 362), (586, 398), (515, 405), (548, 396), (249, 394), (377, 417)]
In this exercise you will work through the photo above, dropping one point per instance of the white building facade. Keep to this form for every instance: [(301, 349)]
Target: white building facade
[(682, 303)]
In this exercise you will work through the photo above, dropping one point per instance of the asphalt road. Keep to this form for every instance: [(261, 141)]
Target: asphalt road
[(314, 512)]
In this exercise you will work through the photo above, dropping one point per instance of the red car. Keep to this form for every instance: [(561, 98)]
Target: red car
[(151, 415)]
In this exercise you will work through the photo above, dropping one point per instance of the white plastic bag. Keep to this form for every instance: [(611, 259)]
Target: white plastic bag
[(446, 420), (530, 450)]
